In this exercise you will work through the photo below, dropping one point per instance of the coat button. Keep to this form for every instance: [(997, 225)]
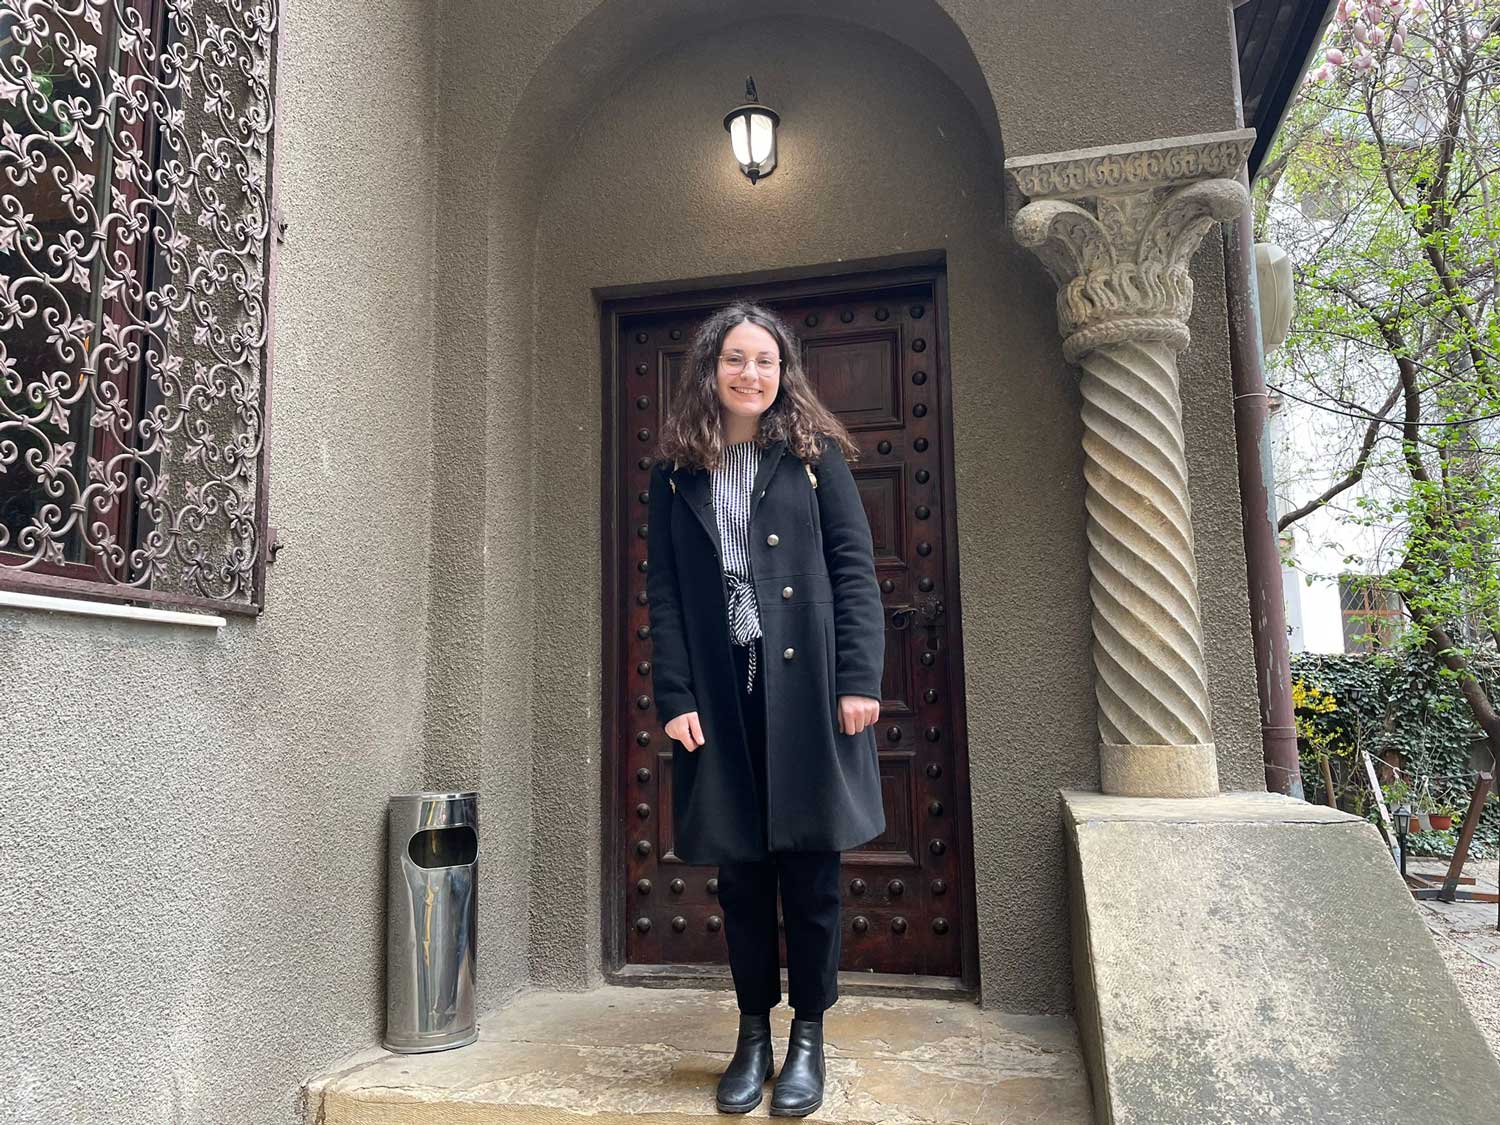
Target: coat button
[(789, 654), (786, 591), (772, 539)]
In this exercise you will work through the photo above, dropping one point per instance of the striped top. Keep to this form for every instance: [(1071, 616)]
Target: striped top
[(733, 482)]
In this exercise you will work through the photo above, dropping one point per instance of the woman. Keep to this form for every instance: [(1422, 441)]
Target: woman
[(768, 646)]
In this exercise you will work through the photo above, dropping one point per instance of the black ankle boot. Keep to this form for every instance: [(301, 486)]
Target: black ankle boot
[(799, 1086), (744, 1080)]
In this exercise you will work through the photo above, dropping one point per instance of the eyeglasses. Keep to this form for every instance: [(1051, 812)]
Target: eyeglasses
[(735, 363)]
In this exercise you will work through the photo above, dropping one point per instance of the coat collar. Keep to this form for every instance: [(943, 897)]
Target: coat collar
[(697, 489)]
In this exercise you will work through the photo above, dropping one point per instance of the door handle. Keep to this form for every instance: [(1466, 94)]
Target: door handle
[(930, 611)]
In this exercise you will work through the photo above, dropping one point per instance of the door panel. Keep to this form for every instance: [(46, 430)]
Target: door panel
[(875, 357)]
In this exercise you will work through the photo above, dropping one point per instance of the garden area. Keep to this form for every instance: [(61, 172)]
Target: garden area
[(1398, 716), (1403, 708)]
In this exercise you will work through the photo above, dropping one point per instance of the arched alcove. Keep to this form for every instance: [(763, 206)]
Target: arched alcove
[(561, 167)]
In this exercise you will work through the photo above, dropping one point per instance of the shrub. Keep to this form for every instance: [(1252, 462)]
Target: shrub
[(1406, 710)]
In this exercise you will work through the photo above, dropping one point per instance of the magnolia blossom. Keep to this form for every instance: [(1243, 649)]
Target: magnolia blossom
[(1361, 28)]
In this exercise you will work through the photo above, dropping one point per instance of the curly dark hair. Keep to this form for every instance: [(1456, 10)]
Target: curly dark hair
[(694, 434)]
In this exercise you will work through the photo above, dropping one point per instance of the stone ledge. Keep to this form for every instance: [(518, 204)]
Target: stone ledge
[(1236, 961), (1227, 808)]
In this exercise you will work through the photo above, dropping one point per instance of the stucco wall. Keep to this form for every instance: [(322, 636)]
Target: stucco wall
[(641, 192), (193, 822)]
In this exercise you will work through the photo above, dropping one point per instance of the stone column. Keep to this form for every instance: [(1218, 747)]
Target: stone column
[(1117, 227)]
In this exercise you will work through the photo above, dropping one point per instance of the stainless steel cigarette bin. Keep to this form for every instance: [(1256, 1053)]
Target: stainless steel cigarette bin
[(432, 921)]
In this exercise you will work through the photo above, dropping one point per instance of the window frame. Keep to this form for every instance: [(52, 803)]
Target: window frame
[(1377, 617), (86, 579)]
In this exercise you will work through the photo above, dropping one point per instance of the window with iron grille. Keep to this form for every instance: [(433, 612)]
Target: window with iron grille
[(135, 224), (1371, 612)]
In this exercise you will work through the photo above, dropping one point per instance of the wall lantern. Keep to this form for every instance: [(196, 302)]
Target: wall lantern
[(752, 133)]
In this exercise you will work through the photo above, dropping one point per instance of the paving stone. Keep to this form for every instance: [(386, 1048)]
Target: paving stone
[(1469, 939)]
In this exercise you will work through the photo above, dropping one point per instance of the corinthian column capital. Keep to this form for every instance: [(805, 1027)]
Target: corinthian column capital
[(1117, 226)]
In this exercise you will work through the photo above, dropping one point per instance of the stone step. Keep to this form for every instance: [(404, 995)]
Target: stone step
[(646, 1056)]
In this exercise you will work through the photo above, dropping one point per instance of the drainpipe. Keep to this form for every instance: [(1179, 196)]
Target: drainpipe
[(1273, 670), (1273, 677)]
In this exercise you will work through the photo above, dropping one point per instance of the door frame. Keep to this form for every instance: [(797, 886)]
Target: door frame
[(842, 277)]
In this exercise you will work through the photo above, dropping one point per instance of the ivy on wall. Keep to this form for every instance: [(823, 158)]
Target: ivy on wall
[(1405, 709)]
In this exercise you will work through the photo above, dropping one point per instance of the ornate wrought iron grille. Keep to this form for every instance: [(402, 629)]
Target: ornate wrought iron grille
[(134, 255)]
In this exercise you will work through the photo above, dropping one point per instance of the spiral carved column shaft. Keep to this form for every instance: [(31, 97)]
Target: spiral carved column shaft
[(1148, 640), (1116, 228)]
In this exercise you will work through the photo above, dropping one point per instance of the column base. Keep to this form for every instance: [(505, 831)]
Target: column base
[(1127, 770)]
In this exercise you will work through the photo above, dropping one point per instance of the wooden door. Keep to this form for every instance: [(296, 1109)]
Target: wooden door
[(876, 356)]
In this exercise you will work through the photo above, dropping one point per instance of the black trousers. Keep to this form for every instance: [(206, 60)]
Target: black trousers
[(809, 887)]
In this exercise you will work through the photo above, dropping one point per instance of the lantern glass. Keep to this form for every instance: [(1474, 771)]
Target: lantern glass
[(739, 138), (1403, 819), (762, 134)]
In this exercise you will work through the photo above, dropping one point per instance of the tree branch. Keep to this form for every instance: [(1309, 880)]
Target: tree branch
[(1438, 206), (1356, 472)]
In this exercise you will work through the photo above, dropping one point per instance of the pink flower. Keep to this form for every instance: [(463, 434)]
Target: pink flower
[(1361, 32)]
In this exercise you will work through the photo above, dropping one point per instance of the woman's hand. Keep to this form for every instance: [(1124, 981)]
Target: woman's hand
[(686, 730), (857, 712)]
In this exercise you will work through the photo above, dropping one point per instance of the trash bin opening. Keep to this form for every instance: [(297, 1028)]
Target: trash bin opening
[(443, 847)]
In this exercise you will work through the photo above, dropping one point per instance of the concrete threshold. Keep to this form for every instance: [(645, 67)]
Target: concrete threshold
[(648, 1056)]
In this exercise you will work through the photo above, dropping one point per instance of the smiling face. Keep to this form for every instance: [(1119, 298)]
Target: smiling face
[(746, 394)]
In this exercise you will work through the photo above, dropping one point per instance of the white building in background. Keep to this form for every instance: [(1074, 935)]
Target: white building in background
[(1324, 556), (1331, 560)]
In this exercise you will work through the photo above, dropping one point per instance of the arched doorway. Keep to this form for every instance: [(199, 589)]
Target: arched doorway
[(866, 172)]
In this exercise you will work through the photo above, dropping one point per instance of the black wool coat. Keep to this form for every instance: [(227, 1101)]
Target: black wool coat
[(824, 636)]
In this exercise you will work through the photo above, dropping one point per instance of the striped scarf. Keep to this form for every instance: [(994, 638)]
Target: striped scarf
[(733, 482)]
